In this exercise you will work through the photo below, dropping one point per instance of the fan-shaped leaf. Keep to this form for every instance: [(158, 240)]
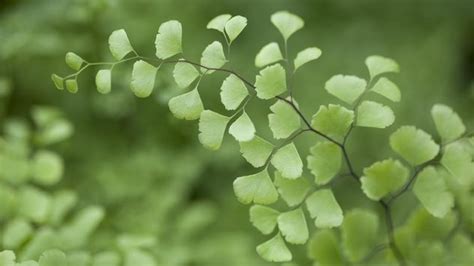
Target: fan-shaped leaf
[(257, 188), (184, 74), (269, 54), (47, 168), (271, 82), (457, 160), (372, 114), (7, 258), (218, 23), (323, 206), (58, 81), (383, 177), (256, 151), (213, 56), (186, 106), (325, 161), (333, 120), (263, 218), (388, 89), (34, 204), (16, 233), (74, 61), (448, 124), (293, 226), (71, 85), (212, 128), (119, 44), (242, 129), (414, 145), (378, 65), (287, 23), (292, 191), (284, 120), (288, 162), (306, 56), (103, 81), (359, 233), (274, 250), (235, 26), (168, 40), (346, 88), (143, 78), (324, 248), (233, 92)]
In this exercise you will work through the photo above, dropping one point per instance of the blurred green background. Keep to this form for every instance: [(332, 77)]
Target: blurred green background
[(148, 170)]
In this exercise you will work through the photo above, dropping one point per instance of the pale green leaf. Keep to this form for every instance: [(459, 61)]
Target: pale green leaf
[(186, 106), (448, 123), (256, 151), (359, 233), (32, 263), (274, 250), (378, 65), (78, 258), (323, 207), (58, 81), (131, 241), (34, 204), (325, 161), (53, 257), (457, 160), (16, 233), (184, 74), (271, 82), (143, 79), (74, 61), (218, 23), (213, 57), (269, 54), (293, 226), (136, 257), (324, 248), (263, 218), (7, 258), (333, 120), (242, 129), (388, 89), (306, 56), (257, 188), (383, 177), (288, 162), (168, 40), (430, 188), (373, 114), (283, 120), (233, 92), (103, 81), (78, 231), (119, 44), (235, 26), (212, 128), (48, 168), (414, 145), (346, 88), (292, 191), (287, 23), (62, 203), (71, 85), (111, 258)]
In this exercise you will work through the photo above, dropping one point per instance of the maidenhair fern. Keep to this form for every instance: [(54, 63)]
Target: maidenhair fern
[(441, 175)]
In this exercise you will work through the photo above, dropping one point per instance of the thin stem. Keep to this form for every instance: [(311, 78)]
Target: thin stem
[(390, 231)]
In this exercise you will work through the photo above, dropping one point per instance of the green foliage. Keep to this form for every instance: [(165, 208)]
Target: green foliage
[(372, 114), (242, 129), (333, 121), (414, 145), (233, 92), (168, 40), (346, 88), (323, 206), (288, 161), (257, 188), (324, 162), (382, 178), (283, 120), (187, 106), (448, 123), (269, 54), (359, 232), (271, 82), (306, 56), (119, 44)]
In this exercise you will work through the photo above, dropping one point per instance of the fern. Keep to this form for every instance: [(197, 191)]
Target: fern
[(440, 175)]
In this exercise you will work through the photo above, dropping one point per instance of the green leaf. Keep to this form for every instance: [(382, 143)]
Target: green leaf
[(212, 128), (284, 120), (34, 204), (293, 226), (257, 188), (383, 177), (263, 218), (7, 258), (378, 65), (77, 258), (77, 232), (48, 168), (135, 257), (457, 160), (103, 81), (271, 82), (269, 54), (292, 191), (233, 92), (324, 248), (111, 258), (242, 129), (287, 23), (235, 26), (432, 192), (74, 61), (373, 114), (184, 74), (119, 44), (325, 161), (274, 250), (323, 207), (16, 233), (333, 120), (58, 81), (213, 57), (62, 203), (53, 257), (306, 56), (168, 39), (448, 123), (359, 233), (143, 78), (346, 88), (71, 85), (388, 89), (414, 145), (288, 162), (218, 23), (186, 106), (256, 151)]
